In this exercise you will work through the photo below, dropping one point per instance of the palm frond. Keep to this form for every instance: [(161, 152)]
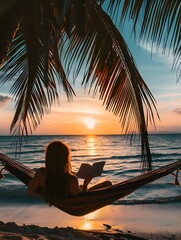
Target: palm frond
[(34, 66), (9, 18), (157, 22), (110, 69)]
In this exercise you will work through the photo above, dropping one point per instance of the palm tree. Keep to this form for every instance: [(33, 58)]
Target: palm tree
[(44, 40)]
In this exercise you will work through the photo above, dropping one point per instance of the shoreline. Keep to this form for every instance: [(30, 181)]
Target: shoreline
[(153, 222), (12, 231)]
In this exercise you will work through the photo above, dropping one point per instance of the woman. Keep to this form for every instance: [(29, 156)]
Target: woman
[(57, 178)]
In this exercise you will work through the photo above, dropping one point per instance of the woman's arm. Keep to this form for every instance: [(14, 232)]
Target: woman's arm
[(36, 182), (74, 187), (86, 183)]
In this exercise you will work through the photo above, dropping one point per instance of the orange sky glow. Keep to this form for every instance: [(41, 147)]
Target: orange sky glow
[(87, 115)]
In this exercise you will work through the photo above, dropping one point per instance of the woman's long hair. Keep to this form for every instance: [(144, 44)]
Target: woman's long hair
[(58, 169)]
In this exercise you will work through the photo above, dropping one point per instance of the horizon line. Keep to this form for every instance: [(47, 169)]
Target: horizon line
[(88, 134)]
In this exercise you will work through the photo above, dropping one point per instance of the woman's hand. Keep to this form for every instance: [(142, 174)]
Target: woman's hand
[(86, 183)]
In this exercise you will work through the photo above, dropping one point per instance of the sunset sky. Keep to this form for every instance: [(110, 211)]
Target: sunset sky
[(86, 115)]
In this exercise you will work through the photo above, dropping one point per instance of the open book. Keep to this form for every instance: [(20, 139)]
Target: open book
[(87, 170)]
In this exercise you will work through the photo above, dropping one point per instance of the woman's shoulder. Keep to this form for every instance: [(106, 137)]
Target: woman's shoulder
[(72, 178), (37, 181), (40, 171), (74, 185)]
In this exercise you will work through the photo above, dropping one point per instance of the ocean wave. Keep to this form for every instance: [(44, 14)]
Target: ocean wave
[(158, 155), (119, 157), (174, 148), (19, 156), (125, 172), (10, 195), (162, 200), (33, 151), (74, 150), (137, 157), (20, 196)]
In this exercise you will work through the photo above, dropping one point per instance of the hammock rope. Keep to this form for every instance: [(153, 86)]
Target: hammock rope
[(85, 203), (176, 177)]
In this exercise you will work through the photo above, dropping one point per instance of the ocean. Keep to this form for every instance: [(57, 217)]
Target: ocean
[(122, 163)]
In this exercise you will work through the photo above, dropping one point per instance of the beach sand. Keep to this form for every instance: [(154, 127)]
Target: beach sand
[(154, 222)]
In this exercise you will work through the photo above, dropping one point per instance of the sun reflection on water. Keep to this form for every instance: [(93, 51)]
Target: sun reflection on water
[(91, 145), (87, 225), (89, 221)]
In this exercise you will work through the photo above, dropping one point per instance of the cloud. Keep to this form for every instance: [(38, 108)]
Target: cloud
[(4, 100), (177, 111), (81, 105), (158, 54)]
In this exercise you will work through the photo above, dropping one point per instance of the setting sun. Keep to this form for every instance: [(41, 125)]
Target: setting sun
[(90, 123)]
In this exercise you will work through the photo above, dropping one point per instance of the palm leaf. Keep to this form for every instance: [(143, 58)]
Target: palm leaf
[(156, 21), (32, 58), (111, 70), (9, 18)]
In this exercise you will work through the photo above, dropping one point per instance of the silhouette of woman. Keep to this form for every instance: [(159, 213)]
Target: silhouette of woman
[(56, 177)]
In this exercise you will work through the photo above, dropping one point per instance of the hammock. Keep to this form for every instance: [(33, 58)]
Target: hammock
[(87, 202)]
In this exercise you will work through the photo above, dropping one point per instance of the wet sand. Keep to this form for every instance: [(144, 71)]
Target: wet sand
[(154, 222)]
